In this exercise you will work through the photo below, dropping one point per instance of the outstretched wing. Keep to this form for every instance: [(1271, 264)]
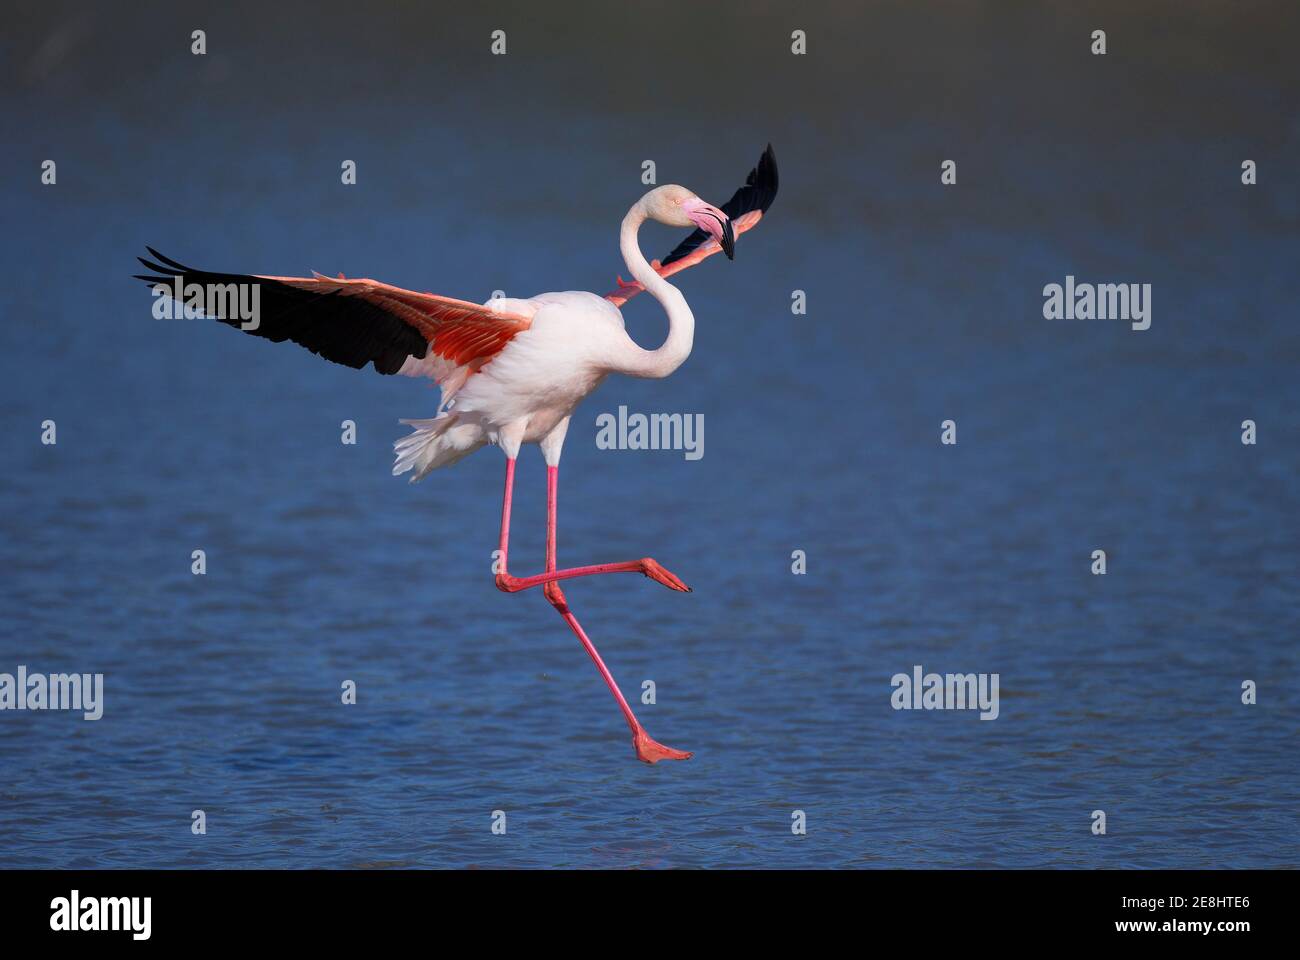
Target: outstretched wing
[(352, 322), (744, 209)]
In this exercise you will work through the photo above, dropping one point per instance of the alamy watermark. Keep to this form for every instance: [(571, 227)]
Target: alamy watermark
[(657, 431), (1101, 301), (57, 691), (947, 691), (76, 913), (220, 301)]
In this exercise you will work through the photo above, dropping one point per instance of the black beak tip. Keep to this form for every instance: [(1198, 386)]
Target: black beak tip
[(728, 241)]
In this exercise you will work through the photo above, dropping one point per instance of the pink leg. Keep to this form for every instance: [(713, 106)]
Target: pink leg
[(646, 565), (647, 749)]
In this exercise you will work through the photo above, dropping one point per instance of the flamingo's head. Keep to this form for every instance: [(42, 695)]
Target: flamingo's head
[(678, 207)]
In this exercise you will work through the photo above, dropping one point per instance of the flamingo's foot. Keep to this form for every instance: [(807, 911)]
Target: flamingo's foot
[(653, 569), (651, 751)]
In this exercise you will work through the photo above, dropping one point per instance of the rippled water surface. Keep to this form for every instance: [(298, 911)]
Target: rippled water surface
[(1118, 692)]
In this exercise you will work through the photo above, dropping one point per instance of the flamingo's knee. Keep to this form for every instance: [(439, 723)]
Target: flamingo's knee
[(555, 595)]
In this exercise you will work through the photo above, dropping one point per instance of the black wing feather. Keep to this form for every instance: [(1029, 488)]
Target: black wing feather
[(347, 330), (757, 194)]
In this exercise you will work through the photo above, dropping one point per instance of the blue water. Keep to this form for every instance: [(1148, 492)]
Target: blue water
[(1119, 692)]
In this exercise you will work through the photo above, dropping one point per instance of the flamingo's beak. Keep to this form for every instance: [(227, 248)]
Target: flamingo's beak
[(713, 222)]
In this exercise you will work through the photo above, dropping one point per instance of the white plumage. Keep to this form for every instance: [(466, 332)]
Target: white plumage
[(528, 389)]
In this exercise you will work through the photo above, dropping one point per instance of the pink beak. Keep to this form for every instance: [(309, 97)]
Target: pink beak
[(713, 222)]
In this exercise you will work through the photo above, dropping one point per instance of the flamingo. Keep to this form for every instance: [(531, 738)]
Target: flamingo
[(511, 371)]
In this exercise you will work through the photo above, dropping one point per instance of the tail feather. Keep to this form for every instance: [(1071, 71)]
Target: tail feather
[(435, 443)]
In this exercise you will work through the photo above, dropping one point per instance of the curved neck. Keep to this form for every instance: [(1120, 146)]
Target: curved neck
[(681, 322)]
